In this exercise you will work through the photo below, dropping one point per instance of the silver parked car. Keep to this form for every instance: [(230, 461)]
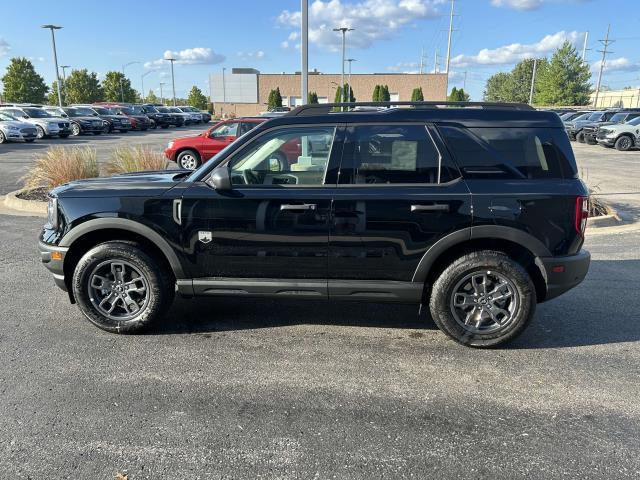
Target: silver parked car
[(12, 130), (194, 115), (46, 124)]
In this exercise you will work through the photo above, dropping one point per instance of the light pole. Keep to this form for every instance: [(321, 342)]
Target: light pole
[(55, 59), (344, 31), (161, 95), (304, 50), (142, 80), (122, 79), (533, 81), (173, 79), (64, 80), (349, 81), (224, 91)]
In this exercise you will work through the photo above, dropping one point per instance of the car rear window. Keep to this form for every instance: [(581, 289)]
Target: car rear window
[(511, 152)]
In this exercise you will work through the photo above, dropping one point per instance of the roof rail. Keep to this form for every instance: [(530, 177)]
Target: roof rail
[(320, 108)]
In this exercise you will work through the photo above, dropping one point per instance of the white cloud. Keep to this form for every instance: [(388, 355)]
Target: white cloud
[(257, 55), (4, 47), (405, 67), (371, 19), (620, 64), (189, 56), (515, 52), (529, 4)]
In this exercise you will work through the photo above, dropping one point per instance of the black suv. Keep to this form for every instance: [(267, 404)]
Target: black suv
[(162, 120), (475, 212)]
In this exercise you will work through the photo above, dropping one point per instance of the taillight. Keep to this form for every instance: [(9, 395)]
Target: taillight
[(582, 214)]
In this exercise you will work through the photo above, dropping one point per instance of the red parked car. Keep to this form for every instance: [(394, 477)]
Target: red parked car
[(191, 152)]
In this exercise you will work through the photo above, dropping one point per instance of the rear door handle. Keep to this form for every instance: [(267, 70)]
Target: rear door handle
[(438, 207), (299, 207)]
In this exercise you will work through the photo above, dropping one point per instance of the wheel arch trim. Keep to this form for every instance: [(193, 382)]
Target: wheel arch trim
[(528, 241), (97, 224)]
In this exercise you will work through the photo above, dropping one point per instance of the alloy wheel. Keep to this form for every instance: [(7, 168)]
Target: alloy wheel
[(75, 130), (40, 131), (188, 161), (484, 302), (118, 290)]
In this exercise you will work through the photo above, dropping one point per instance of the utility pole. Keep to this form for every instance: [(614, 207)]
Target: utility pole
[(64, 80), (421, 60), (144, 96), (584, 48), (533, 80), (449, 44), (55, 59), (344, 31), (464, 84), (349, 81), (224, 91), (173, 79), (606, 42), (161, 95), (304, 51), (436, 63)]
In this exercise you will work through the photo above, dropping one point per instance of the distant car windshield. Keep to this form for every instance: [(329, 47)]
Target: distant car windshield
[(5, 117), (84, 111), (635, 122), (619, 117), (103, 111), (163, 109), (175, 110), (126, 110), (37, 113), (583, 116), (594, 117), (150, 109), (137, 110)]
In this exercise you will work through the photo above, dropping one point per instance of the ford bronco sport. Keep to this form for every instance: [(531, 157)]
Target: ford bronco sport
[(472, 210)]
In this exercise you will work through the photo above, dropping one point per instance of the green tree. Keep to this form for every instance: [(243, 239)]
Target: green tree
[(385, 96), (312, 98), (116, 86), (82, 86), (376, 94), (567, 79), (22, 84), (341, 94), (498, 88), (152, 97), (458, 95), (417, 95), (275, 99), (52, 98), (197, 98)]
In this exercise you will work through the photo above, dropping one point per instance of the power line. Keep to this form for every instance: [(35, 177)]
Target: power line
[(605, 50)]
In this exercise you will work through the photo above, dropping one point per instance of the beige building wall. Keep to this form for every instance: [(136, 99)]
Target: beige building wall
[(629, 98), (400, 87)]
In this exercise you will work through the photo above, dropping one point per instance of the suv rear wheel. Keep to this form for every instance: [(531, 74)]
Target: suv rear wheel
[(483, 299), (120, 288)]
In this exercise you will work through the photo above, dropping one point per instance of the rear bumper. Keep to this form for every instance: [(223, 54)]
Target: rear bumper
[(54, 263), (564, 273)]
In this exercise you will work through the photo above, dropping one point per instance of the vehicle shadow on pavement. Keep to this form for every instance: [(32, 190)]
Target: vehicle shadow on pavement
[(219, 314), (603, 310)]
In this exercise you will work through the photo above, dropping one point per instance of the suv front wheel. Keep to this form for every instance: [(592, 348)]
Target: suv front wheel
[(120, 288), (483, 299)]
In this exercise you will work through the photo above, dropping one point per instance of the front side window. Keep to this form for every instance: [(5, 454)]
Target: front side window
[(225, 130), (511, 152), (390, 154), (291, 156)]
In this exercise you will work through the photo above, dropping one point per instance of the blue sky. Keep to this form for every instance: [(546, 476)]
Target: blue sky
[(491, 35)]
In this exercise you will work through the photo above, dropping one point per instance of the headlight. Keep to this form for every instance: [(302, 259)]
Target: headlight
[(52, 214), (15, 129), (170, 145), (52, 124)]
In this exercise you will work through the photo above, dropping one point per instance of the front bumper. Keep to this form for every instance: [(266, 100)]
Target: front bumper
[(16, 136), (53, 257), (564, 273), (170, 154), (608, 141)]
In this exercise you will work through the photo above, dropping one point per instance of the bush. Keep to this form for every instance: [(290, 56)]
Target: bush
[(135, 159), (59, 165)]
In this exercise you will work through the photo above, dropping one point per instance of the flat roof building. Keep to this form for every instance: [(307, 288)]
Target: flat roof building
[(245, 91)]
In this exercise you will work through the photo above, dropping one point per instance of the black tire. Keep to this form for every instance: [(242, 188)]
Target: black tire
[(580, 137), (76, 131), (124, 131), (156, 281), (97, 133), (28, 140), (590, 141), (40, 132), (478, 264), (624, 143), (164, 126), (188, 160), (64, 135)]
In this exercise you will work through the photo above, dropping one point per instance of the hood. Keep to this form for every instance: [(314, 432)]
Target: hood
[(137, 184), (15, 123), (85, 119), (47, 120), (141, 118)]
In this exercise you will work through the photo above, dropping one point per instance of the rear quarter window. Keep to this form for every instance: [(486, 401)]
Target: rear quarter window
[(498, 152)]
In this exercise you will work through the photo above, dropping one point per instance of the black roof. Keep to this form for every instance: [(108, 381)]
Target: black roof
[(463, 113)]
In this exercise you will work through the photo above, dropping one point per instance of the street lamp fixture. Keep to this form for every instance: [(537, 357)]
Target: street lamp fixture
[(55, 58)]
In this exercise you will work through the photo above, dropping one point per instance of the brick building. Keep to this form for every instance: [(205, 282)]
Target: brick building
[(244, 92)]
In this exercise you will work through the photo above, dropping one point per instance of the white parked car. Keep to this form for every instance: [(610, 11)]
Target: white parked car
[(12, 130), (46, 124), (623, 136)]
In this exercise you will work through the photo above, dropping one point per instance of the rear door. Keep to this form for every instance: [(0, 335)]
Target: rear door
[(398, 193)]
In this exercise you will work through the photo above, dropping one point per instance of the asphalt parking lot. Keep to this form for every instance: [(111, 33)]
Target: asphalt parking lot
[(265, 389)]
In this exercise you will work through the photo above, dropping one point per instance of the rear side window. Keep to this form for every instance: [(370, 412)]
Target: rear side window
[(390, 154), (511, 152)]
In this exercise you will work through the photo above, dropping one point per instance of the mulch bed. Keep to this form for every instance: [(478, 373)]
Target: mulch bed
[(37, 194)]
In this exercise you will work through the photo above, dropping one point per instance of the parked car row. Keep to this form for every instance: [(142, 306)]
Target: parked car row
[(20, 122), (618, 127)]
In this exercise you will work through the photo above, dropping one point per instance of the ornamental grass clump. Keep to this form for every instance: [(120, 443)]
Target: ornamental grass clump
[(135, 159), (60, 165)]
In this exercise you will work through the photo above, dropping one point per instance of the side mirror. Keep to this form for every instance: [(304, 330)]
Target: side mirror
[(220, 180)]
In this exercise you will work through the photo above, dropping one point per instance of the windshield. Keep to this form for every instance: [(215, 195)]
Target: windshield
[(619, 117), (126, 110), (5, 117), (594, 117), (175, 110), (86, 112), (103, 111), (137, 110), (36, 113), (163, 109), (582, 116), (635, 122), (150, 109)]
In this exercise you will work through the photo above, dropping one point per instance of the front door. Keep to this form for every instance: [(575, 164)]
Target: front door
[(398, 194), (274, 223), (218, 138)]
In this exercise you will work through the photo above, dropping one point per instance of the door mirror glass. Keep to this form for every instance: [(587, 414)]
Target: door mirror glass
[(220, 180)]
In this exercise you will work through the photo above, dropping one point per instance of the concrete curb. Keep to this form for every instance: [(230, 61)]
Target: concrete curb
[(11, 201)]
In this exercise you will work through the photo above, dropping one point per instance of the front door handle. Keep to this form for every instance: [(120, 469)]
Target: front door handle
[(438, 207), (299, 207)]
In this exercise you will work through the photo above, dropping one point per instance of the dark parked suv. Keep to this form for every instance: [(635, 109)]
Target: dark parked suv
[(476, 213)]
